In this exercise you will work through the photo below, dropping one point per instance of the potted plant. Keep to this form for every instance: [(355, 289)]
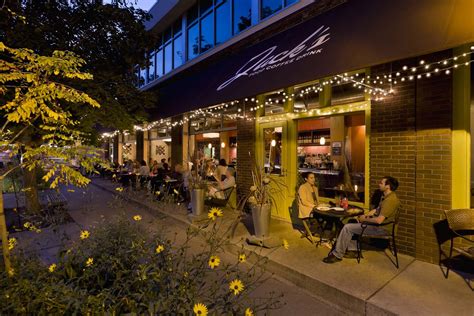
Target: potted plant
[(198, 188)]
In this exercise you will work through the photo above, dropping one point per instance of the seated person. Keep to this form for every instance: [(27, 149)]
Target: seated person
[(221, 170), (216, 190), (386, 211), (308, 197)]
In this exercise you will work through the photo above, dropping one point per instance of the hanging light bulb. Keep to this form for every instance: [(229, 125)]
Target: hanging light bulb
[(209, 145), (273, 143), (222, 145), (322, 140)]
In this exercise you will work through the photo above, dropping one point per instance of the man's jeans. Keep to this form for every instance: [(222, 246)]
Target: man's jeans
[(345, 242)]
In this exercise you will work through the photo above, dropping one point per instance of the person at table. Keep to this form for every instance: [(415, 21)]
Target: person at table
[(221, 170), (217, 190), (385, 212), (143, 173), (308, 196)]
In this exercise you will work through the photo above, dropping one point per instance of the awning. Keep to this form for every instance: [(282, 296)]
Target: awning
[(354, 35)]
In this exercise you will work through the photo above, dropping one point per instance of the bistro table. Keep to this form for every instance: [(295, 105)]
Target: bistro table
[(335, 216)]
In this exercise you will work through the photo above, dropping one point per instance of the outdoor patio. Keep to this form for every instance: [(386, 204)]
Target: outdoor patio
[(375, 286)]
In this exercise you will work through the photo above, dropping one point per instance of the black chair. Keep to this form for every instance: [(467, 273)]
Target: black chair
[(461, 223), (389, 236), (212, 201)]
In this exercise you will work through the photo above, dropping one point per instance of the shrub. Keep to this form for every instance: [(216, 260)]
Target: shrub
[(119, 268)]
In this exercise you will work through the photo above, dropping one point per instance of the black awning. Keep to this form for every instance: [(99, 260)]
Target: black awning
[(354, 35)]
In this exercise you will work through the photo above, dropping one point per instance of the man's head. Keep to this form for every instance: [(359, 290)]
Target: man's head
[(230, 172), (388, 183), (310, 178)]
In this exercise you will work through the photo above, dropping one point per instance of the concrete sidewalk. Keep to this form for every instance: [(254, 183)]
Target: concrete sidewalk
[(373, 287)]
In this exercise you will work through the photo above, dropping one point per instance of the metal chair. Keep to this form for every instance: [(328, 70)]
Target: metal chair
[(461, 223), (212, 201), (389, 236)]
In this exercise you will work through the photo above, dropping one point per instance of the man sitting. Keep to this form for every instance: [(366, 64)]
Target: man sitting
[(216, 191), (385, 212)]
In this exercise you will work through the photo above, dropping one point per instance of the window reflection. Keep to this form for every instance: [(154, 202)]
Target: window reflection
[(193, 38), (272, 142), (178, 51), (269, 7), (223, 23), (168, 57), (242, 15), (207, 32), (151, 68), (159, 63)]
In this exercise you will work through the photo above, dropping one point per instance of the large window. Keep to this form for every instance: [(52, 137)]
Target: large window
[(159, 62), (333, 148), (223, 26), (178, 51), (207, 32), (168, 57), (242, 15), (193, 41), (151, 68)]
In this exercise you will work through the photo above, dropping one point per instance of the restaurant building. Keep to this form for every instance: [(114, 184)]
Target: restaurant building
[(351, 90)]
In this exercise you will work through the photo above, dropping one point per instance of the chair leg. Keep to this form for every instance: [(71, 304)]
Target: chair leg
[(308, 231), (359, 248), (395, 252)]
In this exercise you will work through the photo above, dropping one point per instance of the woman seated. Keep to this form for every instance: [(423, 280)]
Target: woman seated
[(308, 197), (217, 190)]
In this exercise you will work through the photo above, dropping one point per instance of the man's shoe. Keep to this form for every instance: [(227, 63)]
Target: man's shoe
[(351, 254), (331, 259)]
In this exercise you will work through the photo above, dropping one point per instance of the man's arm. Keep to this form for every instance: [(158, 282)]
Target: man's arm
[(377, 220)]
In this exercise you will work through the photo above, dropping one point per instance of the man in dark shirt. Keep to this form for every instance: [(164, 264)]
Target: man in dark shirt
[(385, 212)]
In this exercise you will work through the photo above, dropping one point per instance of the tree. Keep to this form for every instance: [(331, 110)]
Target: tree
[(35, 93), (111, 38)]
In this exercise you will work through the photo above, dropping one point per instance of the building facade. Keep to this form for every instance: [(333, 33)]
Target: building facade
[(350, 90)]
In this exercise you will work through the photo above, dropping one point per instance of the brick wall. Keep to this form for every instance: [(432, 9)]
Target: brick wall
[(411, 140), (245, 155)]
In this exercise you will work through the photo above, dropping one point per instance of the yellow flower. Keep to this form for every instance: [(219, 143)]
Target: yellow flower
[(242, 257), (137, 218), (27, 225), (175, 191), (248, 312), (90, 262), (114, 176), (214, 213), (52, 267), (214, 261), (120, 189), (71, 190), (236, 286), (158, 192), (85, 234), (200, 309), (285, 244), (12, 243), (11, 272), (160, 248)]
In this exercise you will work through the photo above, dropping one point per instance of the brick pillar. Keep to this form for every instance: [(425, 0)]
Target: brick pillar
[(140, 143), (116, 148), (245, 155)]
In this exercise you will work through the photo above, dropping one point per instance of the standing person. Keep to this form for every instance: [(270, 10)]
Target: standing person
[(386, 211), (221, 170)]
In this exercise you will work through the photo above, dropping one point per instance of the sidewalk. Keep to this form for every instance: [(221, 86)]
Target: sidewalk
[(373, 287)]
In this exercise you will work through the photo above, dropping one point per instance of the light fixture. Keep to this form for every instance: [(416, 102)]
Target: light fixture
[(209, 145), (322, 141), (222, 145), (273, 143), (210, 135)]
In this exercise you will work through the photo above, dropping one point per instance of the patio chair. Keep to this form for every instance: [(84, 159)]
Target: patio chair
[(461, 223), (389, 236), (212, 201)]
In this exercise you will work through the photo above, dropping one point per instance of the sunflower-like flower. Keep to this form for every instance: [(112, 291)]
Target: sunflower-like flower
[(236, 286), (214, 213), (27, 225), (242, 257), (200, 309), (120, 189), (160, 248), (89, 262), (248, 312), (12, 242), (214, 261), (114, 176), (85, 234), (52, 267), (137, 218), (285, 244)]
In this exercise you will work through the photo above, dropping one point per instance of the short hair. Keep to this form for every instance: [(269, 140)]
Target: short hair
[(306, 174), (392, 182), (222, 162)]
